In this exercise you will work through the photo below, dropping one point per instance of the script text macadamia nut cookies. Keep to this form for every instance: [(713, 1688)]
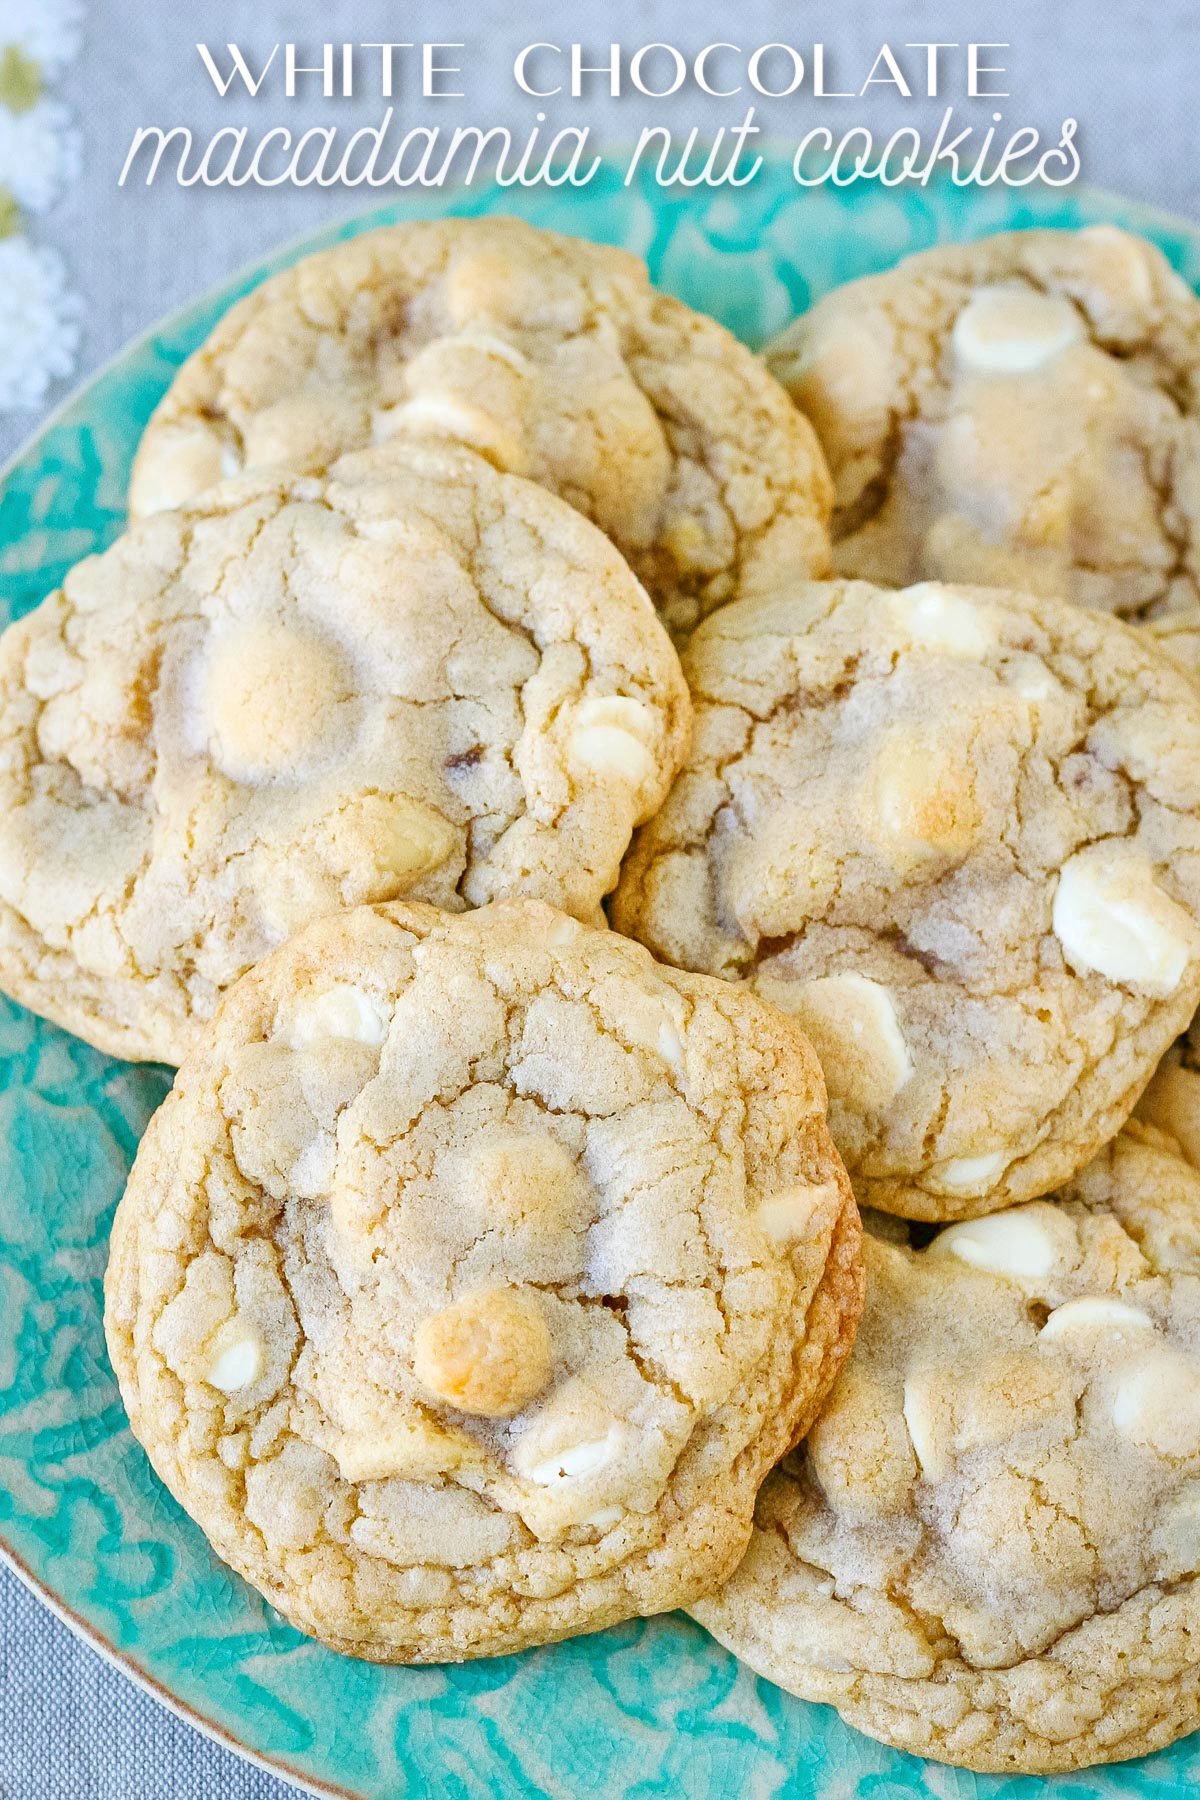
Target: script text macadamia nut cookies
[(989, 1551), (956, 833), (553, 357), (412, 675), (1023, 411), (474, 1274)]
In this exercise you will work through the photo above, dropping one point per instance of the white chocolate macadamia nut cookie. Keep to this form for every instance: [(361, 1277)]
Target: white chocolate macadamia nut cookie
[(412, 675), (989, 1550), (474, 1274), (552, 357), (956, 833), (1023, 412)]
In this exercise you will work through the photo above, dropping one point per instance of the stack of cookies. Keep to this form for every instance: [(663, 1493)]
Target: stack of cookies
[(493, 1271)]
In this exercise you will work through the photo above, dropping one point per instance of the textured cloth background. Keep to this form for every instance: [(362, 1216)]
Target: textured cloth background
[(70, 1727)]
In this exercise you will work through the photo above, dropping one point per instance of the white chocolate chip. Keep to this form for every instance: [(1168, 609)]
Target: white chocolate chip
[(186, 458), (1036, 685), (1133, 1396), (604, 1518), (610, 735), (837, 368), (920, 800), (1010, 329), (235, 1355), (920, 1417), (616, 709), (311, 1175), (1096, 1312), (657, 1026), (609, 750), (443, 415), (857, 1037), (1125, 261), (1176, 1537), (937, 618), (1112, 918), (271, 700), (1014, 1243), (572, 1455), (573, 1462), (1157, 1403), (968, 1174), (1033, 682), (407, 838), (342, 1011), (789, 1217)]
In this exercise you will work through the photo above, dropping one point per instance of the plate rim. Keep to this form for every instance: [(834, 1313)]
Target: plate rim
[(243, 277)]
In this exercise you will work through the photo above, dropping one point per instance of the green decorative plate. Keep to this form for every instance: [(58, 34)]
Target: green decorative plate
[(652, 1708)]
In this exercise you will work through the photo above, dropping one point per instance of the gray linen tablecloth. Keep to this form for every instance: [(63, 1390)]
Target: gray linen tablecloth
[(70, 1727)]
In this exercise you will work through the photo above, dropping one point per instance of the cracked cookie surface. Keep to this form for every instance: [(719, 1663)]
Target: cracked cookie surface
[(956, 833), (1177, 634), (553, 357), (411, 675), (988, 1550), (1023, 411), (474, 1274)]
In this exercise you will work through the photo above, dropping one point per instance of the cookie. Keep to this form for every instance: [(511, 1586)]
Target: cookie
[(553, 357), (956, 833), (412, 675), (1023, 411), (1171, 1103), (474, 1274), (989, 1550)]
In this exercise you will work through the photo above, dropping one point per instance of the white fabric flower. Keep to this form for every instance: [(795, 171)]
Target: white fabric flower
[(47, 31), (39, 323), (39, 153)]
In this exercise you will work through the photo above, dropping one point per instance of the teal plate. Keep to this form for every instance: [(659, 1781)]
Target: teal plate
[(652, 1708)]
